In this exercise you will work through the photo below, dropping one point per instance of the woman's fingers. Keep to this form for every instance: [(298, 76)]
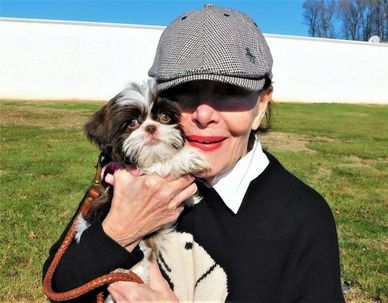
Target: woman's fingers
[(143, 204), (157, 281), (182, 196), (127, 292), (158, 290)]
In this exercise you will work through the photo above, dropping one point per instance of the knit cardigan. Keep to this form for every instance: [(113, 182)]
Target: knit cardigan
[(280, 247)]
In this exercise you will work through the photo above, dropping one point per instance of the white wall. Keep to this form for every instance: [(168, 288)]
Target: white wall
[(69, 60), (93, 61), (328, 70)]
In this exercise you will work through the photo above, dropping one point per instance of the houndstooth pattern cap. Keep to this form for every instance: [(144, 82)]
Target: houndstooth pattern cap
[(212, 43)]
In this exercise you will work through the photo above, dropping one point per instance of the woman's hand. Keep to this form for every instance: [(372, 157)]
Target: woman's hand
[(157, 290), (143, 204)]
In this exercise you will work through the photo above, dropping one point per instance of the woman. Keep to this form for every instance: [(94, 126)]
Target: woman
[(260, 233)]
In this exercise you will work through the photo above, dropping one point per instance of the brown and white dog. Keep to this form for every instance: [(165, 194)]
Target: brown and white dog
[(139, 129)]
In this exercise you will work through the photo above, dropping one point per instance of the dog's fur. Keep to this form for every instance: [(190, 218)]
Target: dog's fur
[(139, 129)]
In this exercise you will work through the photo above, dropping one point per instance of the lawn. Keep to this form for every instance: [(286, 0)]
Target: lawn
[(46, 164)]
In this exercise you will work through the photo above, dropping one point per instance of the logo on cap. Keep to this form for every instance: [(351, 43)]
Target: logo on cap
[(251, 57)]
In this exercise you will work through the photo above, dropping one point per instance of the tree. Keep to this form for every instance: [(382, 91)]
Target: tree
[(311, 15), (379, 18), (359, 19), (362, 19), (318, 16), (351, 14), (326, 27)]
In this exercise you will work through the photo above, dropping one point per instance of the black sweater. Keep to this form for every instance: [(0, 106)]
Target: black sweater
[(281, 246)]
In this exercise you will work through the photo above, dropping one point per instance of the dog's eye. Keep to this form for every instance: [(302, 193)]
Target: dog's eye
[(164, 118), (133, 123)]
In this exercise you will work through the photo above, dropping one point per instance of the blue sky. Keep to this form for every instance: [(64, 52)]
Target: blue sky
[(274, 17)]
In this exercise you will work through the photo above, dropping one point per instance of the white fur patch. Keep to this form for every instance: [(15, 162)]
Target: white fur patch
[(138, 93), (82, 225)]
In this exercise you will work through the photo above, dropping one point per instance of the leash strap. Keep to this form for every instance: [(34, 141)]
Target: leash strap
[(95, 190)]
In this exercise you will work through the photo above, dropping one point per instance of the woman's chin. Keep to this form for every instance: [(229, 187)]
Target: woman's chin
[(208, 175), (202, 174)]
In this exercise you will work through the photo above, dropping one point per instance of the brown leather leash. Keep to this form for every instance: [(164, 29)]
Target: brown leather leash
[(95, 190)]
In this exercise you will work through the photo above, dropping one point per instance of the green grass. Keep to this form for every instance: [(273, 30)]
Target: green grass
[(46, 165)]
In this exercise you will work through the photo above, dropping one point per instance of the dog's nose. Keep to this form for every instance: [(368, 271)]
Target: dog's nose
[(150, 129)]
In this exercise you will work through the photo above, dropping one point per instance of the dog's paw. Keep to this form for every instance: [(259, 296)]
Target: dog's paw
[(191, 161), (193, 200)]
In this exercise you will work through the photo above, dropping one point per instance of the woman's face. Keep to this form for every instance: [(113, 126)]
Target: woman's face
[(218, 118)]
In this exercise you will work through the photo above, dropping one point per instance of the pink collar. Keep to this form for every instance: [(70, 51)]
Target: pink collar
[(109, 169)]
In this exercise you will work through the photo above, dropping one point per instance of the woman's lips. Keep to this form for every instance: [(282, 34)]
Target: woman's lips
[(206, 143)]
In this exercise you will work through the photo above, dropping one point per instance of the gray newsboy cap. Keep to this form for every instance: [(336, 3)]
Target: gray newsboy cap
[(212, 44)]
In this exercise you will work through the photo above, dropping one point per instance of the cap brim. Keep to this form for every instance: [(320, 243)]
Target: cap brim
[(247, 83)]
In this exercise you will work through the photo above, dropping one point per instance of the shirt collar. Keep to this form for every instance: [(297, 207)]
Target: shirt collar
[(233, 184)]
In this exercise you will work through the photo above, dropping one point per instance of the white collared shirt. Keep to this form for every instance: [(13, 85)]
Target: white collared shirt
[(233, 184)]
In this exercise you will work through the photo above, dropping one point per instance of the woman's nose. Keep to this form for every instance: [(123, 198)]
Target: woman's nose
[(204, 114)]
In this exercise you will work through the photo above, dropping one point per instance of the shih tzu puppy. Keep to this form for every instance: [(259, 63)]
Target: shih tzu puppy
[(141, 130)]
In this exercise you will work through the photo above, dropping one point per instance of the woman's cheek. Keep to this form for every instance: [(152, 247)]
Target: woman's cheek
[(185, 121), (238, 124)]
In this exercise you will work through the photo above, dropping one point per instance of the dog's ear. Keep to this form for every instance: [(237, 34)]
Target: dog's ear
[(98, 128)]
